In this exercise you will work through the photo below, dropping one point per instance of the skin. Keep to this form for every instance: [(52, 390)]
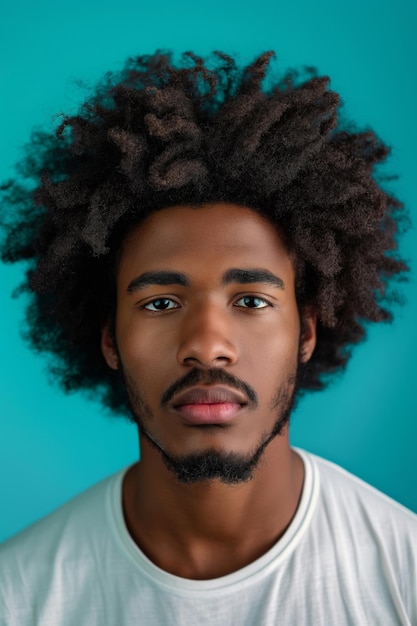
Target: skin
[(208, 529)]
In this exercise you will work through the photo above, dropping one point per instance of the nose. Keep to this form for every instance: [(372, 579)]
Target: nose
[(207, 337)]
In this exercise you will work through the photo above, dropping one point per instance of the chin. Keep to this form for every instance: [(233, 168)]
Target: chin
[(228, 467)]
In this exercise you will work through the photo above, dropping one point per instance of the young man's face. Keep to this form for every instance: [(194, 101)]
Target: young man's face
[(208, 336)]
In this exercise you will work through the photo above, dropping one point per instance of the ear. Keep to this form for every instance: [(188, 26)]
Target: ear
[(309, 333), (108, 346)]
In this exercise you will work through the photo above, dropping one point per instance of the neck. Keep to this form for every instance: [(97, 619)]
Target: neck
[(209, 529)]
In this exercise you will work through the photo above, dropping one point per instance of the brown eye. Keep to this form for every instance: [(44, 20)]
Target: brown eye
[(252, 302), (161, 304)]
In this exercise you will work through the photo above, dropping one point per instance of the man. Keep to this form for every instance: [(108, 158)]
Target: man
[(203, 246)]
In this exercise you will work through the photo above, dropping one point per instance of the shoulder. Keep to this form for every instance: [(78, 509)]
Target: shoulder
[(360, 545), (77, 531), (347, 490), (362, 516), (61, 522)]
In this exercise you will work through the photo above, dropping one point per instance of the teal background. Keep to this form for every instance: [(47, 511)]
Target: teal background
[(53, 446)]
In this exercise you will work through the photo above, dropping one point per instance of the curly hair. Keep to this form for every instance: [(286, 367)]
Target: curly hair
[(193, 131)]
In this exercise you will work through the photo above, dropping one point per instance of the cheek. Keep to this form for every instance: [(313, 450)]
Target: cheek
[(136, 346), (271, 359), (147, 353)]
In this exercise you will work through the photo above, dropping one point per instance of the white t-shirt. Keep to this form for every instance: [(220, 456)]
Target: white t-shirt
[(349, 557)]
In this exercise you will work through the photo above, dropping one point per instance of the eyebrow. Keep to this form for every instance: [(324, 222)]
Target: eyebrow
[(233, 275), (157, 278), (249, 276)]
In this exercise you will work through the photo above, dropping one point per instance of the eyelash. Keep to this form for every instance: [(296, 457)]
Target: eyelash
[(263, 300), (171, 308), (145, 306)]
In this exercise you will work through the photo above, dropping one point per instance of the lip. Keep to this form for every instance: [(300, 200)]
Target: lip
[(209, 405)]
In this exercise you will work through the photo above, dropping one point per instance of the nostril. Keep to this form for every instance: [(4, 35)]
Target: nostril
[(218, 360)]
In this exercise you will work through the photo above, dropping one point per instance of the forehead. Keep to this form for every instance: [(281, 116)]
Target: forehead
[(208, 236)]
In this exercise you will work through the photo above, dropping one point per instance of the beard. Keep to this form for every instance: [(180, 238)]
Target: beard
[(230, 468)]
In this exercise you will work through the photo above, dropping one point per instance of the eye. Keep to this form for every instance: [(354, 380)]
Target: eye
[(161, 304), (252, 302)]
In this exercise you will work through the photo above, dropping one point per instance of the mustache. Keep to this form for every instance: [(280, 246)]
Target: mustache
[(209, 377)]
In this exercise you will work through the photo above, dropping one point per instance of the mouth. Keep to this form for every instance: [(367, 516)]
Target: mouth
[(209, 405)]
